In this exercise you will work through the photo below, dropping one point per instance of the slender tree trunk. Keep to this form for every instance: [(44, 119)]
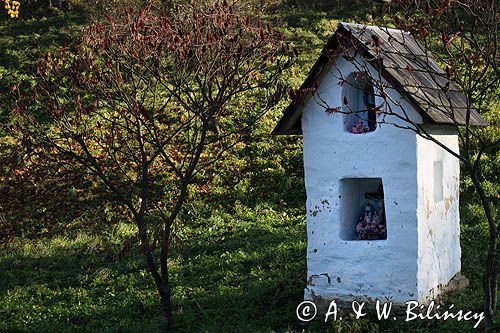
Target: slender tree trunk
[(494, 292), (487, 299), (162, 285), (166, 293), (164, 288), (161, 282), (490, 276)]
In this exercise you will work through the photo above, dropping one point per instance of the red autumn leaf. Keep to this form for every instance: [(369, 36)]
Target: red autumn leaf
[(448, 72), (444, 38), (397, 21), (333, 110)]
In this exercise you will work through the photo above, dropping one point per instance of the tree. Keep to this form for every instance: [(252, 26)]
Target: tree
[(463, 37), (148, 101)]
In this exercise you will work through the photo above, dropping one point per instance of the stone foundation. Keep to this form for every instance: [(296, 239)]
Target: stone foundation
[(458, 282)]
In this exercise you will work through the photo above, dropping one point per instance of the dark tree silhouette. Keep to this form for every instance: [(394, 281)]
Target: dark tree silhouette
[(148, 100)]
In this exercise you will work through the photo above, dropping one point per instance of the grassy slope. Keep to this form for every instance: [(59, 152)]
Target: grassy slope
[(239, 264)]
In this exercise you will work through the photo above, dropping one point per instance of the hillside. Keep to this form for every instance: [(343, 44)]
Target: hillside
[(68, 261)]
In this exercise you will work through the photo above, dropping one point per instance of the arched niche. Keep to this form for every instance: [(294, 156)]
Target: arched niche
[(358, 98)]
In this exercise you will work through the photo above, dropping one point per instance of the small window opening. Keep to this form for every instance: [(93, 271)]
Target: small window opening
[(438, 181), (362, 209), (359, 104)]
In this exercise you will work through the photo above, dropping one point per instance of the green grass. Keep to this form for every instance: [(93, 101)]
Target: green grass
[(23, 41), (238, 266), (239, 260), (246, 256)]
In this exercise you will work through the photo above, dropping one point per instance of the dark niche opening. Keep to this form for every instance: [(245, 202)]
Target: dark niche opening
[(362, 210), (360, 115)]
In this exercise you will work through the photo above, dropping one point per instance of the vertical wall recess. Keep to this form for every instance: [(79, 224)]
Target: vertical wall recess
[(362, 209)]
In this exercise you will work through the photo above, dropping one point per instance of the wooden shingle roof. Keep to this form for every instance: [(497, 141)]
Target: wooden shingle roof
[(405, 64)]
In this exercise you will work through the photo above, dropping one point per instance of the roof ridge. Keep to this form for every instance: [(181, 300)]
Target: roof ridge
[(348, 24), (419, 87)]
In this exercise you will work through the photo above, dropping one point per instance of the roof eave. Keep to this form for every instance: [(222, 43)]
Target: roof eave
[(290, 123)]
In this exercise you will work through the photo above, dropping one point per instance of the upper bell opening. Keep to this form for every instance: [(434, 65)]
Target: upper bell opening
[(359, 104)]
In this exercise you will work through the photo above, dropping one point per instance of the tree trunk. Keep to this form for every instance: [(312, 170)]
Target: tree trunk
[(494, 292), (490, 276), (165, 296), (163, 286), (487, 299), (161, 282)]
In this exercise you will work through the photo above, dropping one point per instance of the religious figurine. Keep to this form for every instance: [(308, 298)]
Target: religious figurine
[(358, 127), (369, 210), (370, 224)]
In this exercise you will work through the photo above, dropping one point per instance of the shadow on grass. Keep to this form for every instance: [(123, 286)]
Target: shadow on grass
[(44, 200), (65, 285), (42, 32), (251, 281), (248, 281)]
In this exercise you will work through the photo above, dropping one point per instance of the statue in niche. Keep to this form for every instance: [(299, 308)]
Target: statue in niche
[(371, 222)]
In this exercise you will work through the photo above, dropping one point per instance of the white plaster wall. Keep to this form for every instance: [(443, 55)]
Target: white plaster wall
[(439, 222), (359, 269)]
